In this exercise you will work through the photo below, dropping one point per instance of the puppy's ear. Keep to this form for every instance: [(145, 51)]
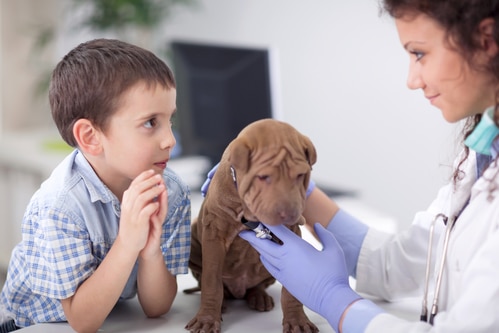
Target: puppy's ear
[(239, 155), (309, 149)]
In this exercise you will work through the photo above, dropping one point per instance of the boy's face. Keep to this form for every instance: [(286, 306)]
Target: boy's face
[(139, 136)]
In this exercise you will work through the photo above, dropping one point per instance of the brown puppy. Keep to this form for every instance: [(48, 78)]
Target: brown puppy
[(262, 176)]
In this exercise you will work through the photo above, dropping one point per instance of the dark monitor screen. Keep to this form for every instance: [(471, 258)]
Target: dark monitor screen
[(220, 90)]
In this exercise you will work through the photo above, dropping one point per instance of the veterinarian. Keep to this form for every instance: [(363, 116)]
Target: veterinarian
[(454, 60), (112, 221)]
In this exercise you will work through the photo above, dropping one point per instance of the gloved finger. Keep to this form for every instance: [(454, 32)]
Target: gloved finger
[(247, 235), (326, 237), (288, 237), (213, 170), (265, 247), (204, 187), (270, 253), (284, 233), (310, 188), (207, 181), (272, 269)]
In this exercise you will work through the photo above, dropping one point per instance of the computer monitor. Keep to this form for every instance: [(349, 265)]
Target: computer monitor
[(220, 90)]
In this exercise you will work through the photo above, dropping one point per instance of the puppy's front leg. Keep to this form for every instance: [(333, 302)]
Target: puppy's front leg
[(209, 317), (294, 317)]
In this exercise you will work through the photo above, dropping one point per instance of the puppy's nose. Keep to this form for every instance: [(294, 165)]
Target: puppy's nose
[(288, 217)]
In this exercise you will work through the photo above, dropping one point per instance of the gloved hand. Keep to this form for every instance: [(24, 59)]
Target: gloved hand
[(318, 279), (209, 176), (310, 188)]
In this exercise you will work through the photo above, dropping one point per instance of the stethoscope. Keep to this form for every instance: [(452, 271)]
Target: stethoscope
[(482, 161), (449, 223)]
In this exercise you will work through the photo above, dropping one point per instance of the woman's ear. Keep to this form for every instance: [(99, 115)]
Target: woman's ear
[(87, 137), (486, 33)]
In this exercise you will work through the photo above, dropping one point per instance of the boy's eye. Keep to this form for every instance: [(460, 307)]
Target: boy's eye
[(150, 123)]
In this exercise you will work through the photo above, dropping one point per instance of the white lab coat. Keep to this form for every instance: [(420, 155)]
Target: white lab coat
[(394, 266)]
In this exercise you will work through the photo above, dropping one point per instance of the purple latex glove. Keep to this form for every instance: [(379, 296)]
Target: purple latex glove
[(209, 176), (310, 188), (318, 279)]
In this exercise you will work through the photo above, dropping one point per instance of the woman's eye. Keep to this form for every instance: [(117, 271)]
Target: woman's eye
[(417, 54), (150, 123)]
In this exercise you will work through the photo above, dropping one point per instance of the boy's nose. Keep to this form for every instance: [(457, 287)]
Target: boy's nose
[(168, 141)]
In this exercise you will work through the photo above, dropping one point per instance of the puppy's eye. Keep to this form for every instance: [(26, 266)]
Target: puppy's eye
[(264, 178)]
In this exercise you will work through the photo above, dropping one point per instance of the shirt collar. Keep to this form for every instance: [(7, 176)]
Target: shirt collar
[(97, 189)]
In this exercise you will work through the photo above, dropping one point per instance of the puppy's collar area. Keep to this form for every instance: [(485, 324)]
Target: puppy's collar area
[(261, 231)]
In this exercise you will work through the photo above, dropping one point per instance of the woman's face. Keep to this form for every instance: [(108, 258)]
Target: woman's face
[(447, 80)]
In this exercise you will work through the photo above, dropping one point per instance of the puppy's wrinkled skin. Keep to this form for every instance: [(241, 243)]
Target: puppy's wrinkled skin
[(263, 175)]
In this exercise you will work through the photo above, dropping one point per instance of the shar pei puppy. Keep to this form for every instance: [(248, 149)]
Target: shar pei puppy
[(262, 176)]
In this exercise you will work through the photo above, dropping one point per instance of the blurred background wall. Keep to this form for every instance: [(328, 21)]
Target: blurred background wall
[(20, 22), (341, 72)]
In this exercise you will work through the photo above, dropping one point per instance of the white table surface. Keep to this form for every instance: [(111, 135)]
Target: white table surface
[(128, 316)]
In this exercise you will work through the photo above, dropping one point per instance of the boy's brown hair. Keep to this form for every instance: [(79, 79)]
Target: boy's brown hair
[(89, 81)]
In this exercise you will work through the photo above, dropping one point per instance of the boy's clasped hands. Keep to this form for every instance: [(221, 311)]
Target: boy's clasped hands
[(143, 211)]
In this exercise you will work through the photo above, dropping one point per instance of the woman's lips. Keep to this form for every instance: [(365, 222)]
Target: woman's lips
[(432, 98)]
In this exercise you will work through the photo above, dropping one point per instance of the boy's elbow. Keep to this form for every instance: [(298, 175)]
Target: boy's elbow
[(79, 323), (157, 312), (82, 327)]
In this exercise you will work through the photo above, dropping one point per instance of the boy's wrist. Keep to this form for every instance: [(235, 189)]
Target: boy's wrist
[(149, 255), (124, 247)]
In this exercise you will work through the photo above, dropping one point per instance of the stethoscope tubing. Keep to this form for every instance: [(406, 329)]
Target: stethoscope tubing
[(424, 310), (434, 308)]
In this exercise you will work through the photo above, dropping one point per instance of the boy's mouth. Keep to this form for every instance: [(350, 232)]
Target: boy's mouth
[(162, 164)]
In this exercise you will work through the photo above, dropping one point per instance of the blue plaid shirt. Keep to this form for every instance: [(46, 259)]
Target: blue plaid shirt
[(68, 228)]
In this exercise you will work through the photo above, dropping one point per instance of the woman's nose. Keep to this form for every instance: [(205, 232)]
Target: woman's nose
[(414, 78)]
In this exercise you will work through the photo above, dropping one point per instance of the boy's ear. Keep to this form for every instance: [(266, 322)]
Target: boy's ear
[(87, 137), (489, 44)]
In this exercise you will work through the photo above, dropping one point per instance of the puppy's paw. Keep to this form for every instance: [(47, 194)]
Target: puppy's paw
[(259, 300), (204, 324), (299, 324)]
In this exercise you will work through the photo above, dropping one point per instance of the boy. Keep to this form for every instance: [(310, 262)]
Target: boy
[(111, 221)]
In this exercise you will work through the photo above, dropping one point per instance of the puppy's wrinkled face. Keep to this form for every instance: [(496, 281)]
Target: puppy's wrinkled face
[(276, 190), (272, 164)]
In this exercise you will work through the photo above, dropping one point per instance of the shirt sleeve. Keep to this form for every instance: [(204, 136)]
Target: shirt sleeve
[(58, 253), (391, 324), (176, 238)]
